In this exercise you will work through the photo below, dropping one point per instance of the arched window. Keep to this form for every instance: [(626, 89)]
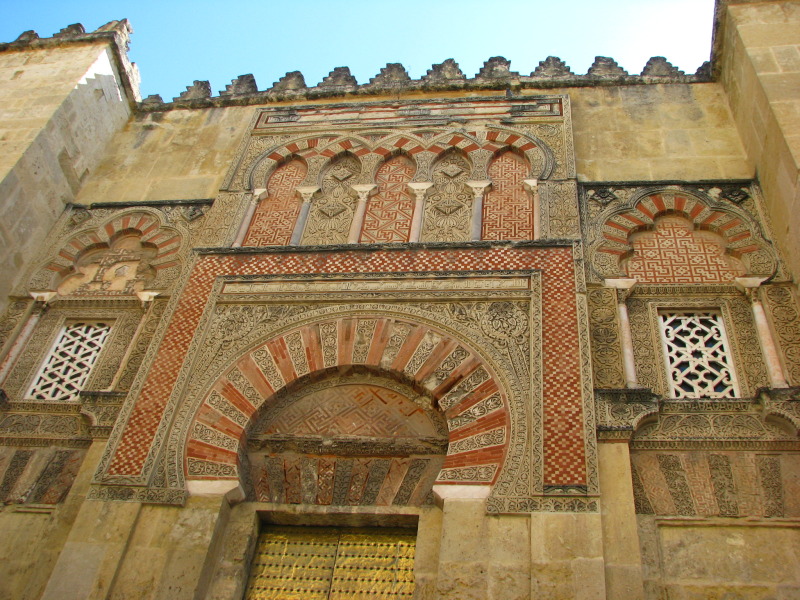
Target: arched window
[(275, 215), (507, 209), (389, 211)]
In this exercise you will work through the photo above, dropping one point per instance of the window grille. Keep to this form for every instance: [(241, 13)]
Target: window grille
[(66, 368), (698, 357)]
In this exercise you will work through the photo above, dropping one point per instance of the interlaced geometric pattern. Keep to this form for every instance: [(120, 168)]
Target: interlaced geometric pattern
[(275, 216), (507, 211), (362, 410), (68, 365), (674, 253), (388, 217), (698, 358)]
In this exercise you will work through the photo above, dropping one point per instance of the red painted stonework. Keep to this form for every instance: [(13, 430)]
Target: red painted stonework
[(388, 216)]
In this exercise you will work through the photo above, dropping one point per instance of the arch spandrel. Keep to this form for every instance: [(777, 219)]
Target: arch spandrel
[(439, 369)]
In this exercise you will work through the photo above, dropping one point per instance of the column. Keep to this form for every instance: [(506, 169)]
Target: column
[(363, 190), (255, 197), (749, 286), (306, 193), (419, 188), (623, 287), (532, 186), (31, 318), (478, 188)]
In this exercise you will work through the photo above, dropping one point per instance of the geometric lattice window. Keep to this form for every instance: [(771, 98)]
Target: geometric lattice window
[(328, 563), (698, 357), (67, 367)]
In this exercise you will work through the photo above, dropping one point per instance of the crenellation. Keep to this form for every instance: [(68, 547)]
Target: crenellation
[(605, 67), (496, 68), (339, 79), (198, 89), (658, 66), (552, 66), (446, 72), (392, 75), (242, 85), (71, 31), (27, 36), (446, 76), (291, 82)]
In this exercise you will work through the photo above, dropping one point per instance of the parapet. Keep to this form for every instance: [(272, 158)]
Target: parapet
[(447, 76), (496, 74)]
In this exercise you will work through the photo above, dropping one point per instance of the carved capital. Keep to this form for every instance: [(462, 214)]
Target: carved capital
[(784, 402), (531, 185), (478, 187), (363, 190), (419, 188), (101, 409), (42, 297), (623, 285), (620, 411), (307, 191)]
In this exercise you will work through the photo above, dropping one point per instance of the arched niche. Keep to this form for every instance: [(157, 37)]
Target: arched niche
[(333, 206), (419, 363), (276, 212), (119, 256), (673, 251), (448, 205), (390, 210), (508, 207), (737, 233)]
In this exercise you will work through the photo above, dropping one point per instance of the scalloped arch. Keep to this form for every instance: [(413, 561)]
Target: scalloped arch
[(167, 242), (741, 233)]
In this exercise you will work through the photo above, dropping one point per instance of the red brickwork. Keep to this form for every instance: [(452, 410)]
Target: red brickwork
[(388, 216), (563, 423), (674, 253), (507, 208), (275, 215)]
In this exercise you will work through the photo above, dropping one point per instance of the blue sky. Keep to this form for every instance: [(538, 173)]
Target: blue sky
[(176, 42)]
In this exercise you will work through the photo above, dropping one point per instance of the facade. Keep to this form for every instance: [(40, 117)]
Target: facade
[(501, 337)]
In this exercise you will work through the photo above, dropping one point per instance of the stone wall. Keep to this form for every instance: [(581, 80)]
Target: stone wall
[(759, 68), (62, 104)]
